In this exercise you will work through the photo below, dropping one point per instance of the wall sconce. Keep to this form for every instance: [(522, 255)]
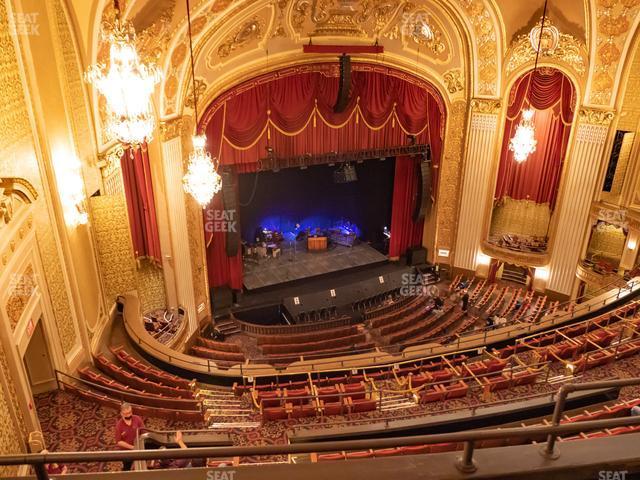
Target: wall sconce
[(71, 190), (542, 274), (482, 259), (631, 244)]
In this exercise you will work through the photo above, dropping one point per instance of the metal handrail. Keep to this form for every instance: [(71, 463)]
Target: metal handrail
[(465, 463), (317, 367)]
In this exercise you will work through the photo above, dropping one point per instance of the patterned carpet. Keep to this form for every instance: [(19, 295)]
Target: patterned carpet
[(72, 424)]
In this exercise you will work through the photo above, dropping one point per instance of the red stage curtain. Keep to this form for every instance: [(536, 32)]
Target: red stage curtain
[(138, 189), (405, 232), (552, 96), (291, 110), (222, 270)]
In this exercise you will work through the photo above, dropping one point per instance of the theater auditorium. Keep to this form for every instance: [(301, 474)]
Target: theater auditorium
[(320, 239)]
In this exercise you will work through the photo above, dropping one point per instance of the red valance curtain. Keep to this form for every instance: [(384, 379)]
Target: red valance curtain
[(405, 232), (551, 95), (291, 110), (141, 207)]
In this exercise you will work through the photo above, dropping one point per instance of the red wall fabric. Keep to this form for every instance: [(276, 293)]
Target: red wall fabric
[(405, 232), (551, 94), (291, 111), (138, 190)]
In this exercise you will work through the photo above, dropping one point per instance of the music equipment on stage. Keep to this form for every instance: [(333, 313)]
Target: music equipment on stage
[(423, 200), (416, 256), (345, 174), (344, 91), (229, 187)]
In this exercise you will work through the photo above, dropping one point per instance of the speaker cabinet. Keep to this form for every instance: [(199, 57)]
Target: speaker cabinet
[(344, 91), (423, 201), (232, 235), (416, 256)]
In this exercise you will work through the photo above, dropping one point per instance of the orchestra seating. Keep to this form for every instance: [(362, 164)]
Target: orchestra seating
[(581, 346)]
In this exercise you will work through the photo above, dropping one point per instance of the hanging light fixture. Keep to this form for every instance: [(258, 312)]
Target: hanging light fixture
[(202, 180), (524, 142), (127, 85)]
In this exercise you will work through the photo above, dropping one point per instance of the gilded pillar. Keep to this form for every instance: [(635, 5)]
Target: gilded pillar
[(581, 176), (476, 183), (175, 198)]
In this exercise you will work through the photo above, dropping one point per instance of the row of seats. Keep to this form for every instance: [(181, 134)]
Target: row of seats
[(619, 410), (418, 332), (145, 411), (312, 347), (139, 383), (387, 305), (218, 346), (307, 337), (305, 395), (421, 316), (217, 355), (106, 384), (144, 370), (497, 301), (415, 305)]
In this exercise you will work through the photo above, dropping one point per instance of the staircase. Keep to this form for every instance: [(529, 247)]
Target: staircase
[(514, 274), (396, 401), (227, 326), (224, 410)]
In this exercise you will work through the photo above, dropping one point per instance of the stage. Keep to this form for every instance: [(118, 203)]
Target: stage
[(296, 263)]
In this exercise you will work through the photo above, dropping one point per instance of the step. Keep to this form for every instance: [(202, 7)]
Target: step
[(234, 425)]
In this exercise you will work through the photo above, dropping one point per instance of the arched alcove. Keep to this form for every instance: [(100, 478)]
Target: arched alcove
[(526, 191)]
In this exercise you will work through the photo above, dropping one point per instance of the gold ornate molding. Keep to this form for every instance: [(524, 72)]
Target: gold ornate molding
[(22, 287), (595, 116), (171, 129), (516, 258), (592, 278), (251, 30), (569, 51), (454, 80), (483, 105)]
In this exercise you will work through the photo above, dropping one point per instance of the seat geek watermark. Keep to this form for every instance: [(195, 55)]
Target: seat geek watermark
[(24, 24), (413, 285), (221, 475), (221, 221)]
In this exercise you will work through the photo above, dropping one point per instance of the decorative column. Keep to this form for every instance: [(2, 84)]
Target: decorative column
[(477, 183), (580, 179), (173, 173)]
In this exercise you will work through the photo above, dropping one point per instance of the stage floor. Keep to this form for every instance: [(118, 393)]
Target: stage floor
[(296, 264)]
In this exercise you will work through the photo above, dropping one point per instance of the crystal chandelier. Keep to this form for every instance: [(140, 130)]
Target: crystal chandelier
[(523, 142), (202, 180), (127, 85)]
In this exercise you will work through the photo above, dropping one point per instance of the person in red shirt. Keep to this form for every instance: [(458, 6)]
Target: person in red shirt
[(54, 468), (127, 428)]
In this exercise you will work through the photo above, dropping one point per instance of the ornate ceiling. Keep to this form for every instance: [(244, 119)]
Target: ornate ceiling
[(475, 47)]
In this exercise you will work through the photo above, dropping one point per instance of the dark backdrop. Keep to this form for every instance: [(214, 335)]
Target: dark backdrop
[(279, 200)]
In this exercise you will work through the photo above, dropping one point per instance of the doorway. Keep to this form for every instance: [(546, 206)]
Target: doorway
[(37, 362)]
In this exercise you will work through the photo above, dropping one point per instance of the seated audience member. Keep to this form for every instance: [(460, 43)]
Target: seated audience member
[(635, 411), (54, 468)]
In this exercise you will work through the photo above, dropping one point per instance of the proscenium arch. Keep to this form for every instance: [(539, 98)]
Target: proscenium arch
[(455, 16)]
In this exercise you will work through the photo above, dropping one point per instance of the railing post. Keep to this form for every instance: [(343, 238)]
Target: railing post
[(41, 471), (549, 450), (465, 463)]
